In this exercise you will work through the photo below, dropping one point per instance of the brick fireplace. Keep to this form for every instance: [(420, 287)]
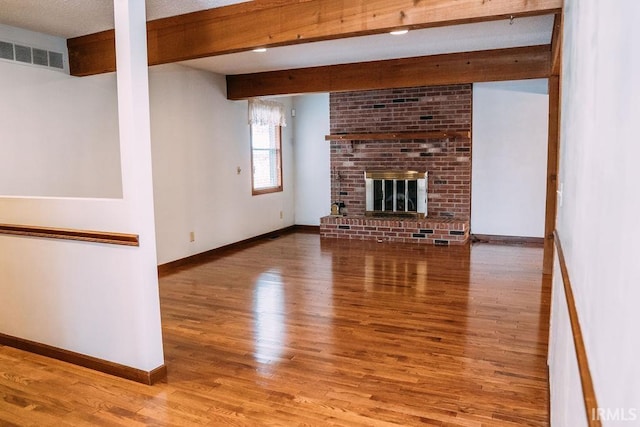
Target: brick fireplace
[(422, 129)]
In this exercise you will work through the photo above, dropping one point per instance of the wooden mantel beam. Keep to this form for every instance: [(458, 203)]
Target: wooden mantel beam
[(482, 66), (269, 23)]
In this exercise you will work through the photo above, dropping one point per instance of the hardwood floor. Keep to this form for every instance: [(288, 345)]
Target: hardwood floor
[(299, 331)]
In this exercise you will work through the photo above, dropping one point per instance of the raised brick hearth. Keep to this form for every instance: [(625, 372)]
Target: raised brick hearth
[(432, 231), (447, 161)]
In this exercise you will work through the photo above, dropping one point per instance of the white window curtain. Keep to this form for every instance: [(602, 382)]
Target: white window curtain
[(266, 113)]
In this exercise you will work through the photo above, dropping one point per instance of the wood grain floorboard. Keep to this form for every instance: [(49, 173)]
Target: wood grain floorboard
[(310, 332)]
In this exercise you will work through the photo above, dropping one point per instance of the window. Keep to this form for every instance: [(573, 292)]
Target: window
[(266, 158), (266, 119)]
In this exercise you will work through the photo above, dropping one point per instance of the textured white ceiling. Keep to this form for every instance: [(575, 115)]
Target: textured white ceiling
[(72, 18), (528, 31)]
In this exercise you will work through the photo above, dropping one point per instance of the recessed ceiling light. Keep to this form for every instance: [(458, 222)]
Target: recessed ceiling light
[(399, 32), (260, 49)]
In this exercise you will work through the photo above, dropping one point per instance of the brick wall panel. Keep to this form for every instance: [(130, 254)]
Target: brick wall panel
[(437, 108), (410, 109)]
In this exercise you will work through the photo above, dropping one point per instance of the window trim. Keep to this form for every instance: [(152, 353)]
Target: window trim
[(277, 188)]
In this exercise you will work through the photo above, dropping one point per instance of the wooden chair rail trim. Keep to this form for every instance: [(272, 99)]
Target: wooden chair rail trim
[(100, 365), (397, 135), (590, 401), (71, 234)]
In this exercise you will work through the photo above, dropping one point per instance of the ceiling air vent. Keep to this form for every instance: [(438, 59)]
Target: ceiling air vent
[(40, 57), (55, 60), (31, 55), (6, 50), (23, 54)]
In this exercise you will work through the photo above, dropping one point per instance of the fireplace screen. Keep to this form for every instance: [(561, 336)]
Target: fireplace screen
[(396, 193)]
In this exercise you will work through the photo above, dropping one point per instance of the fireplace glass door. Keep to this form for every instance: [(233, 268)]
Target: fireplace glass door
[(395, 193)]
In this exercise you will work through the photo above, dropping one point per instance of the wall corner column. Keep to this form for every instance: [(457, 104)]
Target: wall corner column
[(137, 178)]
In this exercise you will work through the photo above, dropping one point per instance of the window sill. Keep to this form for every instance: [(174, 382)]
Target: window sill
[(266, 190)]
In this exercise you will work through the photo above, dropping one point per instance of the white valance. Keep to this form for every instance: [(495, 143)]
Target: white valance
[(266, 113)]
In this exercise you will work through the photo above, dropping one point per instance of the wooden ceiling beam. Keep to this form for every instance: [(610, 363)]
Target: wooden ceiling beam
[(269, 23), (556, 45), (481, 66)]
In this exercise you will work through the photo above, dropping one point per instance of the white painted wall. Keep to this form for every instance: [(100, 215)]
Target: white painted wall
[(509, 161), (75, 289), (312, 162), (599, 210), (95, 299), (199, 140), (60, 133)]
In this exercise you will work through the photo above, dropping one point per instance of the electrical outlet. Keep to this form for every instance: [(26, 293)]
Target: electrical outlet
[(192, 236), (281, 215)]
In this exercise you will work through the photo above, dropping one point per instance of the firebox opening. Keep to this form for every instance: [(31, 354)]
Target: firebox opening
[(396, 193)]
